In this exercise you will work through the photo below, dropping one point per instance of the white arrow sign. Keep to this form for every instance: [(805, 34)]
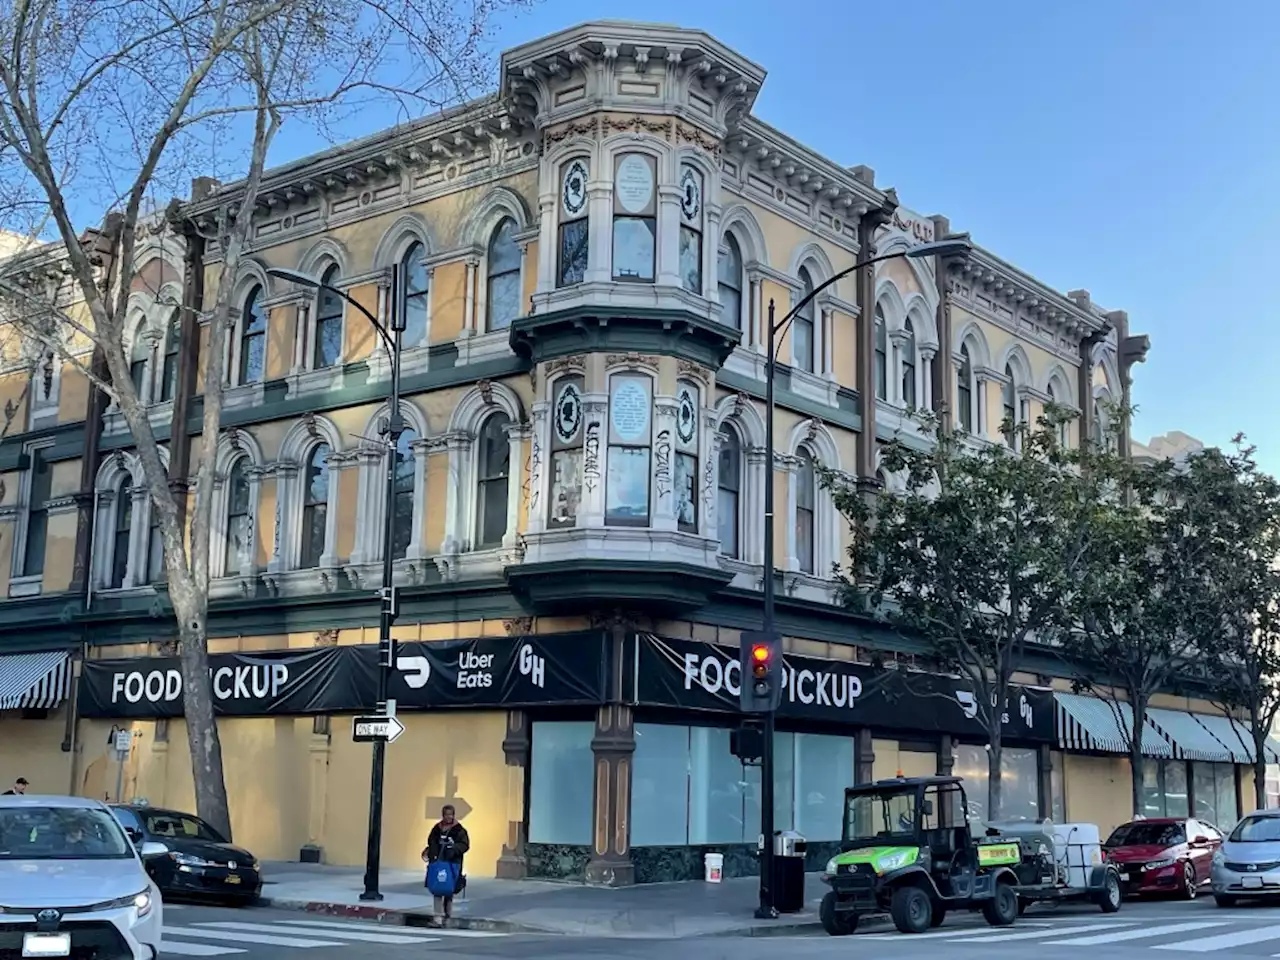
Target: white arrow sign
[(369, 729)]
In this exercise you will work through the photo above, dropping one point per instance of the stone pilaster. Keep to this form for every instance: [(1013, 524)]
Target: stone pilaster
[(865, 757), (512, 863), (612, 748)]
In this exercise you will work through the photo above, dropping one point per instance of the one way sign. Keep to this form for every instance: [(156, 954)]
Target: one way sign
[(370, 729)]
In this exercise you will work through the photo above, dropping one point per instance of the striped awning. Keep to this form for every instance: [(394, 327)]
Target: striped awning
[(1091, 724), (34, 680), (1236, 737), (1191, 740)]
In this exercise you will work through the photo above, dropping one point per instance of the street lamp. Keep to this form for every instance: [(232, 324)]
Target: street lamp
[(392, 430), (952, 246)]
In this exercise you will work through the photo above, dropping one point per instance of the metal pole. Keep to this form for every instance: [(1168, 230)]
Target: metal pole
[(386, 653), (766, 911)]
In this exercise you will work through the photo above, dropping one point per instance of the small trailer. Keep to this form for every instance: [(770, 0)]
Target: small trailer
[(1060, 862)]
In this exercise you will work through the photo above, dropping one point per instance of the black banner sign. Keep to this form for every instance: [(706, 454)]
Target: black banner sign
[(479, 673), (703, 676)]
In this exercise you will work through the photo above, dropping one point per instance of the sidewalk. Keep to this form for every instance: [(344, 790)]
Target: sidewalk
[(652, 910)]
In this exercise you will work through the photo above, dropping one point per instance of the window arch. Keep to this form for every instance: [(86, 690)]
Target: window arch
[(329, 313), (493, 474), (406, 478), (414, 294), (1009, 400), (965, 390), (881, 355), (253, 338), (908, 363), (502, 299), (239, 540), (806, 510), (802, 327), (730, 282), (121, 535), (315, 507), (729, 492)]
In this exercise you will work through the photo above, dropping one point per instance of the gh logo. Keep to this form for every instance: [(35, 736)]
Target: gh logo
[(533, 666)]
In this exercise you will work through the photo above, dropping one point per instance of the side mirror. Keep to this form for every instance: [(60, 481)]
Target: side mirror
[(134, 835), (153, 849)]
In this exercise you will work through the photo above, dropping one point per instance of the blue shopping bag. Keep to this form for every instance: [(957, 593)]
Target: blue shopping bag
[(442, 879)]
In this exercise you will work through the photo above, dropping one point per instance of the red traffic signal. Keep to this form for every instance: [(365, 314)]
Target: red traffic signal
[(761, 665), (761, 655)]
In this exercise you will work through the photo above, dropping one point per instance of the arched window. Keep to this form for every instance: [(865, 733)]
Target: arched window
[(169, 376), (1064, 428), (1008, 393), (139, 353), (155, 545), (413, 294), (402, 506), (329, 310), (806, 503), (493, 472), (881, 355), (729, 270), (253, 338), (1099, 426), (239, 533), (802, 327), (964, 390), (503, 301), (120, 536), (908, 364), (315, 507), (730, 492)]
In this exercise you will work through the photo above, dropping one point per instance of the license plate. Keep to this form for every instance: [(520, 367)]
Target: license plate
[(233, 878), (1124, 876), (46, 945), (1251, 883)]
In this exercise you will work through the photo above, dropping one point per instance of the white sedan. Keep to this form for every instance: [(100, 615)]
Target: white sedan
[(71, 881)]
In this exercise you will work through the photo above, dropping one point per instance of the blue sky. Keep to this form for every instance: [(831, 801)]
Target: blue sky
[(1128, 147)]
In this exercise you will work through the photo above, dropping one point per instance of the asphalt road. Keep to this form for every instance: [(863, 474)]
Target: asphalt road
[(1160, 931)]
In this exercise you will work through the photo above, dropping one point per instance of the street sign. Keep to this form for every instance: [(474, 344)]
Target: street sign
[(123, 742), (370, 729)]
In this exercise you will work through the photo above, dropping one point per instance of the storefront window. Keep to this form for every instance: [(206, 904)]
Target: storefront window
[(561, 787), (1057, 786), (660, 786), (1164, 788), (1019, 781), (1273, 786), (724, 795), (1215, 790), (823, 768)]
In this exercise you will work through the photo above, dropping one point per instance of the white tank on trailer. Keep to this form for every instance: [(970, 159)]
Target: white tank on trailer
[(1076, 847)]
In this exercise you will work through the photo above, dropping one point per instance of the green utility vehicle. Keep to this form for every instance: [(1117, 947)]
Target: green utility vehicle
[(907, 850)]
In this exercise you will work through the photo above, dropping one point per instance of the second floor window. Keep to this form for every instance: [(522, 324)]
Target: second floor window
[(908, 365), (729, 268), (239, 533), (121, 534), (155, 545), (253, 338), (493, 476), (1008, 396), (329, 310), (402, 507), (964, 390), (881, 356), (39, 491), (635, 229), (139, 354), (730, 488), (413, 294), (503, 294), (315, 507), (169, 376), (806, 495), (802, 327), (691, 229), (571, 255)]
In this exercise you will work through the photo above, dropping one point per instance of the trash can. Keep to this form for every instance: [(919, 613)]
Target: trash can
[(789, 850)]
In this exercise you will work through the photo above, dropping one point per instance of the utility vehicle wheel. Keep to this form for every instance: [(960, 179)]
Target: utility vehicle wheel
[(911, 910), (1110, 897), (1224, 901), (1190, 885), (1002, 909), (939, 915), (833, 921)]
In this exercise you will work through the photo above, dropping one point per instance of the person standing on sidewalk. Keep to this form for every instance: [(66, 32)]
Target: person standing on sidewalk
[(19, 788), (447, 843)]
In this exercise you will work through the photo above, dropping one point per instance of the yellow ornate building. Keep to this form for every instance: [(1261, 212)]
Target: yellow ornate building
[(583, 263)]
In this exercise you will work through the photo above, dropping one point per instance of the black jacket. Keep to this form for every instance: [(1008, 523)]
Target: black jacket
[(448, 845)]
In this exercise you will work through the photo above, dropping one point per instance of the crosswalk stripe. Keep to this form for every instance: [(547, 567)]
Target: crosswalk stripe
[(953, 934), (1224, 940), (1036, 934), (1139, 934), (430, 932), (205, 934), (178, 948), (364, 936)]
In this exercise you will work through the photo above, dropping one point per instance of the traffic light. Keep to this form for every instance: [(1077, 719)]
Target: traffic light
[(747, 742), (760, 658)]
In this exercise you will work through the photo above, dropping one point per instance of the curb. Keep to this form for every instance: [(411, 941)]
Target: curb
[(775, 930), (397, 917)]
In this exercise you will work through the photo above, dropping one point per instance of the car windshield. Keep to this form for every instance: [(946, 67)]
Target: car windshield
[(1256, 830), (1140, 834), (180, 826), (61, 833), (886, 816)]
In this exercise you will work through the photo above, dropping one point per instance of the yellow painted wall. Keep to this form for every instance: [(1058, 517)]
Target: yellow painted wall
[(845, 348), (282, 332), (1098, 790), (530, 276), (13, 397), (346, 494), (448, 301), (891, 760), (73, 395), (33, 749), (782, 303), (359, 338), (437, 486)]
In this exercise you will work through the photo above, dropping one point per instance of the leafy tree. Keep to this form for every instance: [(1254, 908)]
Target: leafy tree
[(107, 106), (977, 554)]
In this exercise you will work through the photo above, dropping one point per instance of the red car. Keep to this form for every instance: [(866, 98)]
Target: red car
[(1163, 856)]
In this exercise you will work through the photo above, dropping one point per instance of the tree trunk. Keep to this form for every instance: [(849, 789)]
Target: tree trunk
[(1137, 768), (995, 787), (191, 611), (1260, 779)]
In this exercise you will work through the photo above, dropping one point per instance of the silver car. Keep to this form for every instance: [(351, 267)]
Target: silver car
[(1247, 864)]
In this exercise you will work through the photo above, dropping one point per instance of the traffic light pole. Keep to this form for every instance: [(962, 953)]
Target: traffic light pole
[(766, 909)]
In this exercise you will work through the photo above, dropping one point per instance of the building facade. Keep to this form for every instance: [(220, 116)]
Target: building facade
[(584, 264)]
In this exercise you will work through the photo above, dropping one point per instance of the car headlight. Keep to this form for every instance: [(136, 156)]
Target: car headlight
[(187, 859), (1219, 858), (894, 861), (1157, 864), (139, 901), (831, 865)]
